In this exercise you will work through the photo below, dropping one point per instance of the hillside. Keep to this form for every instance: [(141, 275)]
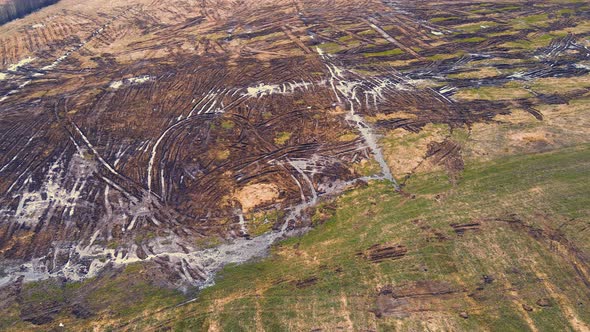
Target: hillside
[(295, 165)]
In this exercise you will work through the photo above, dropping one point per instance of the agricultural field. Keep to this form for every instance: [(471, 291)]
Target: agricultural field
[(295, 165)]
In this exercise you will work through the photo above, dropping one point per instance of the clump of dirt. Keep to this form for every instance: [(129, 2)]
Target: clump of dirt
[(403, 300), (254, 195), (381, 252), (431, 233), (544, 302), (460, 229), (538, 139), (448, 154), (307, 282)]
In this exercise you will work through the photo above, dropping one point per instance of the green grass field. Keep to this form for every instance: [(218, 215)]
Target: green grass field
[(531, 214)]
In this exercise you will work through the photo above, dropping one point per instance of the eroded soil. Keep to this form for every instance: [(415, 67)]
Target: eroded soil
[(187, 135)]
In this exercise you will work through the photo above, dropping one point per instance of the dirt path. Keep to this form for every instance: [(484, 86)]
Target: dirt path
[(569, 312), (346, 312)]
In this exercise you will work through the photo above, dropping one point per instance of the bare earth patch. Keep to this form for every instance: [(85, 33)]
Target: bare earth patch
[(255, 195)]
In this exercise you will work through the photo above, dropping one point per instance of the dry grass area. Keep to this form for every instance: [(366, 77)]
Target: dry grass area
[(255, 195), (520, 132), (406, 150)]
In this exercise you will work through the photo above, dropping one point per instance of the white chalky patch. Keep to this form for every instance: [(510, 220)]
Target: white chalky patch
[(21, 63)]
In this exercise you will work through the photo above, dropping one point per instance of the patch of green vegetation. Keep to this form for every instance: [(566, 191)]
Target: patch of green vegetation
[(509, 8), (565, 12), (262, 222), (532, 43), (512, 90), (366, 72), (331, 48), (268, 36), (43, 291), (460, 135), (536, 18), (539, 20), (112, 245), (482, 72), (208, 242), (443, 56), (121, 295), (366, 33), (482, 11), (10, 320), (283, 137), (323, 212), (221, 155), (367, 167), (560, 85), (502, 33), (217, 35), (412, 140), (347, 137), (141, 238), (471, 40), (227, 124), (443, 19), (346, 39), (395, 51), (237, 314), (266, 115), (475, 27)]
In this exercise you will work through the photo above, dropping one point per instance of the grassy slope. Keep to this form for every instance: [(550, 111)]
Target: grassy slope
[(532, 212), (545, 191), (320, 281)]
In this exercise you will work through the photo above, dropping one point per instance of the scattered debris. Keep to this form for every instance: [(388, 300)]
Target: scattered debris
[(460, 229), (544, 302)]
